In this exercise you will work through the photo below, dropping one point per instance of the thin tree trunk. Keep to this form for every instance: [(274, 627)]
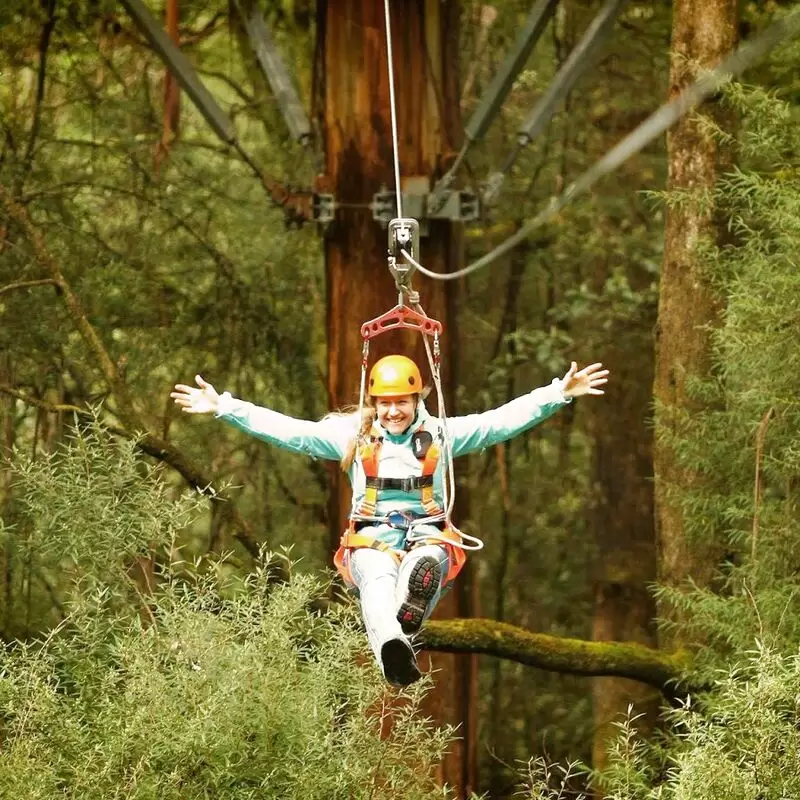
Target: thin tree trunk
[(620, 516), (353, 90), (508, 324), (688, 309), (8, 427), (172, 92)]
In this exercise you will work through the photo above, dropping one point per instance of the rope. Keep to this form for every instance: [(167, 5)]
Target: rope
[(396, 154), (657, 123), (447, 496)]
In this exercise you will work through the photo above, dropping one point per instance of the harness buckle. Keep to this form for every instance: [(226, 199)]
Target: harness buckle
[(407, 485)]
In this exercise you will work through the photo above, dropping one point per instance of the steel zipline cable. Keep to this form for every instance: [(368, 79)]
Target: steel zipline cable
[(393, 107), (742, 58)]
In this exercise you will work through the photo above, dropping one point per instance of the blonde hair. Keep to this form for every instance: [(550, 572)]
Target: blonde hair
[(368, 417)]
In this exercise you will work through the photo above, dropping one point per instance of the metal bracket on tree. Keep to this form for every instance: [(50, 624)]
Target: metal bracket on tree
[(455, 205)]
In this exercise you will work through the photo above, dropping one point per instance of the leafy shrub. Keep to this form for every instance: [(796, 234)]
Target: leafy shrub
[(213, 686)]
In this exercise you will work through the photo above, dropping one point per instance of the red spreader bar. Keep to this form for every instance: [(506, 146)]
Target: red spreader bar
[(400, 317)]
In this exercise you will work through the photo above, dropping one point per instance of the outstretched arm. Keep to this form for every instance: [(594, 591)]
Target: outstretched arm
[(325, 439), (478, 431)]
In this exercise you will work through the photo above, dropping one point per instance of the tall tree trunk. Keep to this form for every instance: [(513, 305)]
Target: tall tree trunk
[(688, 310), (622, 523), (355, 110), (620, 519)]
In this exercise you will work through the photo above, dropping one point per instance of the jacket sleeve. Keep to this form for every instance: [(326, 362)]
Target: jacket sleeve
[(326, 439), (477, 431)]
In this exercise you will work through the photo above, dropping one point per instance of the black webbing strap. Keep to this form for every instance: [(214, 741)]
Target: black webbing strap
[(401, 484)]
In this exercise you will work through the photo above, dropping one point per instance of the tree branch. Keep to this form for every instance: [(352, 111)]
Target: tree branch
[(126, 410), (25, 284), (33, 401), (556, 654), (249, 99), (217, 256), (44, 46)]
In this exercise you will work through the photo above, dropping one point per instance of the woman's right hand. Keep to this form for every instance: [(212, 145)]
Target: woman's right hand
[(204, 400)]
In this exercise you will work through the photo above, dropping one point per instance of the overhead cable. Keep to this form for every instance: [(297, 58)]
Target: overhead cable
[(205, 103), (744, 57), (275, 71), (498, 90), (182, 69), (579, 59)]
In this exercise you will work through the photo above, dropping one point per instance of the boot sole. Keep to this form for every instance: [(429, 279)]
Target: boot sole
[(422, 586), (399, 663)]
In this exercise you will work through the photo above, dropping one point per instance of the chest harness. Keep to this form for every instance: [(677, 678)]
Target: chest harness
[(363, 515)]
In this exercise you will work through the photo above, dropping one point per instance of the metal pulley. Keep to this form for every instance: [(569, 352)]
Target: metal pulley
[(403, 236)]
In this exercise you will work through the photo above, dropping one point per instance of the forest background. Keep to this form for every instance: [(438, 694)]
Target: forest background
[(154, 648)]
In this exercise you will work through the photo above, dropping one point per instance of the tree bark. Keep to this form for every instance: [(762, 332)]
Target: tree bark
[(354, 107), (172, 92), (688, 309)]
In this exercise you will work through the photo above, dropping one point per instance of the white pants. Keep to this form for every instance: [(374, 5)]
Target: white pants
[(382, 584)]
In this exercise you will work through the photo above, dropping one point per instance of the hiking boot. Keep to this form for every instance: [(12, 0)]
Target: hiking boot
[(399, 663), (422, 586)]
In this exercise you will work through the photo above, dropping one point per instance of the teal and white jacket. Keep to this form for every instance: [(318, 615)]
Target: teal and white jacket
[(330, 437)]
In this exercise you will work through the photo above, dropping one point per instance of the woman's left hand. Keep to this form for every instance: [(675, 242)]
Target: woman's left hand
[(586, 381)]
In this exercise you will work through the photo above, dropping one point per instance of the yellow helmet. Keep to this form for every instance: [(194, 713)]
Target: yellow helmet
[(392, 376)]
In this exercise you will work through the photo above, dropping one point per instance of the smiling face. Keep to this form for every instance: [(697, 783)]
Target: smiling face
[(395, 414)]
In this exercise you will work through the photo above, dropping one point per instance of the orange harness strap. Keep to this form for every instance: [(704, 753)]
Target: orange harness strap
[(369, 454), (429, 464)]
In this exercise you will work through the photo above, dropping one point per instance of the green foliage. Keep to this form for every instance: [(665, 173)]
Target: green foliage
[(744, 447), (739, 741), (254, 696), (208, 686), (178, 256), (582, 289), (93, 505), (546, 781)]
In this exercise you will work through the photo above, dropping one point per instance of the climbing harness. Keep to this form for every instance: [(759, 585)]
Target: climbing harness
[(438, 527)]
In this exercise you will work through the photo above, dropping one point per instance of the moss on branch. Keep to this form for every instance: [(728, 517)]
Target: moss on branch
[(557, 654)]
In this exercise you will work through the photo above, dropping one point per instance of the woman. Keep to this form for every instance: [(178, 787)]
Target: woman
[(399, 551)]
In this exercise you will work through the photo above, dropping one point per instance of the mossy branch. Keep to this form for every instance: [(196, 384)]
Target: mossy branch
[(556, 654)]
